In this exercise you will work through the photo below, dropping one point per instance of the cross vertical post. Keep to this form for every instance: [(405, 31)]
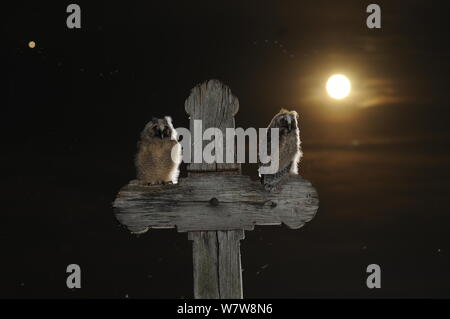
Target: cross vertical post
[(217, 264), (216, 254)]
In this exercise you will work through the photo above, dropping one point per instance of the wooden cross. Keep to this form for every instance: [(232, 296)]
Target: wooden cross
[(215, 203)]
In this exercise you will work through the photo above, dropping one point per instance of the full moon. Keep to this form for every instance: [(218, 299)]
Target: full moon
[(338, 86)]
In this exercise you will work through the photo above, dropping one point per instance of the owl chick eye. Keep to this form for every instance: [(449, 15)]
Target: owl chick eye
[(166, 131)]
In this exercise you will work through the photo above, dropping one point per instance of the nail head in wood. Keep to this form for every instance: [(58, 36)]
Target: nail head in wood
[(214, 201)]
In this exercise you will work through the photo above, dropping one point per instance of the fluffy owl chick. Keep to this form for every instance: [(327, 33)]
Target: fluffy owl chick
[(159, 153), (289, 151)]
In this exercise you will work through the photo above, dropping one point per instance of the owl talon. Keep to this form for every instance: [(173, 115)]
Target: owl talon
[(153, 183)]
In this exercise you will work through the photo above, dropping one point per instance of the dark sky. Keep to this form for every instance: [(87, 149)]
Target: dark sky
[(73, 107)]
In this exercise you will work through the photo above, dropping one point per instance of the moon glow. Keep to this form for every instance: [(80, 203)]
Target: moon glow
[(338, 86)]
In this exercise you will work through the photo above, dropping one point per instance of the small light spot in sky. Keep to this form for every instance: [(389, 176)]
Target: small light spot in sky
[(275, 44), (31, 44)]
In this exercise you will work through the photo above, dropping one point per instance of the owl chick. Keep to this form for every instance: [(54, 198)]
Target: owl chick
[(289, 151), (159, 153)]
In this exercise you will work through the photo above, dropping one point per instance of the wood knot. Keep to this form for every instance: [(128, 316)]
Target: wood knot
[(270, 204), (214, 202)]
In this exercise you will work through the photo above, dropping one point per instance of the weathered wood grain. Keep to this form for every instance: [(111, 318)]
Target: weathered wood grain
[(205, 264), (242, 204), (230, 272), (214, 104), (217, 264)]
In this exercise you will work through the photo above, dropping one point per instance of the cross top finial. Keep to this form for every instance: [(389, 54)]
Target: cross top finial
[(211, 100)]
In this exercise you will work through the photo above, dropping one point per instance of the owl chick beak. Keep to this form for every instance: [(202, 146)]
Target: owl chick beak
[(289, 127), (161, 133)]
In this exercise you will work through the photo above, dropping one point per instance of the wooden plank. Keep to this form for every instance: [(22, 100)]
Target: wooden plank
[(230, 273), (205, 264), (241, 204), (214, 104), (217, 264)]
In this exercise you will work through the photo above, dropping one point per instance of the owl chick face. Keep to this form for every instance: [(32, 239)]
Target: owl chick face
[(286, 121), (159, 128)]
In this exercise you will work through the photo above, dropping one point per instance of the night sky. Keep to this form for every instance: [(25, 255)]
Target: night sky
[(73, 106)]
